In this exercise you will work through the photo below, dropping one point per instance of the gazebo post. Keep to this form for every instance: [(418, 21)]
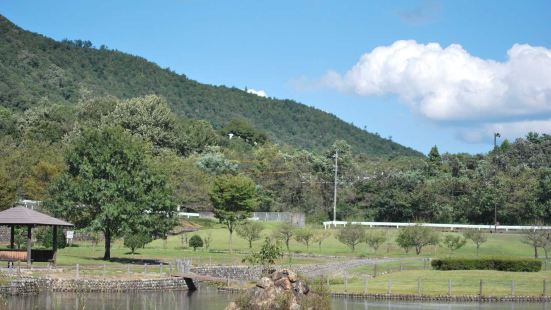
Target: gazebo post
[(29, 244), (12, 236), (54, 242)]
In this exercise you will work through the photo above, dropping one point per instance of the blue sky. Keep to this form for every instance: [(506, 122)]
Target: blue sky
[(452, 96)]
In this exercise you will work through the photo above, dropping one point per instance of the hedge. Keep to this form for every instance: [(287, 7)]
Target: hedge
[(501, 264)]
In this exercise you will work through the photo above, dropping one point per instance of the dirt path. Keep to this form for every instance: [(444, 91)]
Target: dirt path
[(340, 266)]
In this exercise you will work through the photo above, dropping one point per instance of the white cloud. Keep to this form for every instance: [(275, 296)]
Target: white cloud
[(449, 84), (260, 93)]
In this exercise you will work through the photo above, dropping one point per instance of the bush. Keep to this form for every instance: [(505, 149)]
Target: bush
[(136, 240), (44, 236), (195, 242), (501, 264)]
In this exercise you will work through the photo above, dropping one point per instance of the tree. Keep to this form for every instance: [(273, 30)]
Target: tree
[(375, 238), (7, 191), (416, 236), (207, 240), (305, 235), (250, 231), (233, 197), (44, 236), (476, 236), (285, 232), (454, 242), (320, 235), (136, 240), (195, 242), (109, 186), (268, 254), (535, 238), (351, 235)]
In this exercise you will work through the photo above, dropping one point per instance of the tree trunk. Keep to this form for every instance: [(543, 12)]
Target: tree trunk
[(477, 247), (107, 234), (535, 252), (231, 249)]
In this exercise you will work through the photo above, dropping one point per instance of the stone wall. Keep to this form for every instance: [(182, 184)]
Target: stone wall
[(232, 272), (34, 285)]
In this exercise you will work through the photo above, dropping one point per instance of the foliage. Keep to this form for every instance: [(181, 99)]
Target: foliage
[(375, 238), (233, 197), (268, 254), (416, 236), (44, 236), (110, 187), (216, 164), (351, 235), (136, 240), (476, 236), (250, 231), (285, 232), (536, 238), (454, 242), (320, 235), (305, 235), (195, 242), (501, 264), (36, 67)]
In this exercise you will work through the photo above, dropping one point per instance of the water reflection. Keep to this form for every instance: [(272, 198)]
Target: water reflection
[(209, 299)]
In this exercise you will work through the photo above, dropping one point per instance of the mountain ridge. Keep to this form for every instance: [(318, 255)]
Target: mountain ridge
[(35, 69)]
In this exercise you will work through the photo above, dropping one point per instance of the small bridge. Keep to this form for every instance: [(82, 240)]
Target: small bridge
[(190, 276)]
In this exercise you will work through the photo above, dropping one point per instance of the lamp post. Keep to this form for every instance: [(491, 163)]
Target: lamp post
[(496, 135)]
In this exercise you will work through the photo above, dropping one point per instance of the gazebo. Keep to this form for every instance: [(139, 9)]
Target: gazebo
[(21, 216)]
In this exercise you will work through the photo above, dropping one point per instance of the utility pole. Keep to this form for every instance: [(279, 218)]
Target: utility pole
[(335, 188), (496, 135)]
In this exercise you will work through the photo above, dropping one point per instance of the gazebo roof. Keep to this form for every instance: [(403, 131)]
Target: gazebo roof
[(26, 216)]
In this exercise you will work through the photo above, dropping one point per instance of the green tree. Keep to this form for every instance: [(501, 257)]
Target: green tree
[(305, 235), (454, 242), (375, 238), (476, 236), (320, 235), (285, 232), (233, 197), (44, 236), (351, 235), (416, 236), (195, 242), (7, 191), (136, 240), (110, 187), (267, 256), (250, 231)]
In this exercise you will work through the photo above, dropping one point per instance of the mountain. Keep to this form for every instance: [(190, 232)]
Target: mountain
[(37, 70)]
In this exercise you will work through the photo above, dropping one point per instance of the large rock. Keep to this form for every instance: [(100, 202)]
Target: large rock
[(282, 290)]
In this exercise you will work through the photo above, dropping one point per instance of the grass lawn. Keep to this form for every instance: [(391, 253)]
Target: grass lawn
[(84, 253), (463, 282)]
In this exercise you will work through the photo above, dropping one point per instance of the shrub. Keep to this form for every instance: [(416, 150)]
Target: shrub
[(501, 264), (195, 242), (136, 240), (44, 236), (417, 237), (351, 235)]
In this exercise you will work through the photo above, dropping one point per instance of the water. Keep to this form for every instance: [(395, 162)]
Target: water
[(211, 299)]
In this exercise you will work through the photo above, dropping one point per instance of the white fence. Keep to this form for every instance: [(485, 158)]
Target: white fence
[(328, 224)]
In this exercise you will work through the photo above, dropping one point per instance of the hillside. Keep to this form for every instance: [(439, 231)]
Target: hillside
[(38, 70)]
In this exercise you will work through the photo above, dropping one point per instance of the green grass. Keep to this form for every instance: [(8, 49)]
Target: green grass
[(436, 282), (85, 253)]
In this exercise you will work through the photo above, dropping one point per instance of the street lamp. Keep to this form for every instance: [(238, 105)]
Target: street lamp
[(496, 135)]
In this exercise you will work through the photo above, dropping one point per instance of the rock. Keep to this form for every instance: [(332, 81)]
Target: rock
[(301, 287), (284, 283), (232, 306), (264, 283)]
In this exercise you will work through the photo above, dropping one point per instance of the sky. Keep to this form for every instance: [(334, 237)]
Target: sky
[(425, 73)]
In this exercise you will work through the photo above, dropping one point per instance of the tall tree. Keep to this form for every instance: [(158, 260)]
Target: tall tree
[(110, 187), (233, 197)]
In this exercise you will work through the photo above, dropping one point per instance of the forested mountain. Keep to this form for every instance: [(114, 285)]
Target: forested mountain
[(36, 70)]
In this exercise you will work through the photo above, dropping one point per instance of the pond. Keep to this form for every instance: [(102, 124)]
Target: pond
[(210, 299)]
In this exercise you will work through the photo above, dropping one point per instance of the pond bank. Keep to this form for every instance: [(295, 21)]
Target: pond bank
[(25, 286)]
